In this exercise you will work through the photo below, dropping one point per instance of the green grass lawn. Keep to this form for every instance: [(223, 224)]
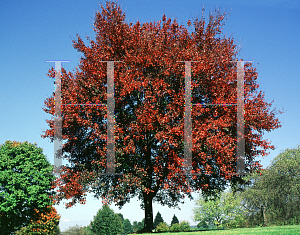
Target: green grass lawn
[(288, 229)]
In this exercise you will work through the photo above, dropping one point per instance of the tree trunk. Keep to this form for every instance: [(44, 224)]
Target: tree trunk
[(264, 215), (148, 213)]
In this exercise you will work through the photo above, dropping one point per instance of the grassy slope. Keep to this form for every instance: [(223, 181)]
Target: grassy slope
[(278, 230)]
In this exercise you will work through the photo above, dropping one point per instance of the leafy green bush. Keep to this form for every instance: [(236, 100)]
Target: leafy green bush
[(162, 227), (237, 222), (175, 228), (185, 226), (202, 225)]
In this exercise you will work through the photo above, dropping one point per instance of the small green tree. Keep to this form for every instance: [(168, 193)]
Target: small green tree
[(208, 211), (162, 227), (175, 228), (25, 185), (106, 222), (185, 226), (158, 219), (225, 209), (174, 220), (127, 226)]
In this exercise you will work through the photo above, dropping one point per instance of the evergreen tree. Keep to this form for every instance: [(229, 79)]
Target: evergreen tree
[(174, 220), (106, 222), (127, 226), (158, 219)]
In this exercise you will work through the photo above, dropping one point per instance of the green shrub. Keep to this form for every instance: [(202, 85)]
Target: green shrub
[(294, 221), (237, 222), (202, 225), (162, 227), (175, 228), (185, 226)]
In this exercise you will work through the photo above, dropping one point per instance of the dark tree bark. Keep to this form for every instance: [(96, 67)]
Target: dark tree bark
[(148, 213)]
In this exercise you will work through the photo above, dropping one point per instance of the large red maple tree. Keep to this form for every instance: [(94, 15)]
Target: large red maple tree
[(149, 112)]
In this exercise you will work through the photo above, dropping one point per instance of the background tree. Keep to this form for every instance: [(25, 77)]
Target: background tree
[(77, 230), (25, 185), (46, 224), (255, 201), (158, 219), (138, 226), (225, 210), (135, 226), (127, 226), (174, 220), (87, 230), (233, 210), (274, 196), (149, 112), (107, 222), (141, 225), (283, 179)]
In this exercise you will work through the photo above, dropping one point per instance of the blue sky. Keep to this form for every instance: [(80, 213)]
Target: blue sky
[(34, 31)]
